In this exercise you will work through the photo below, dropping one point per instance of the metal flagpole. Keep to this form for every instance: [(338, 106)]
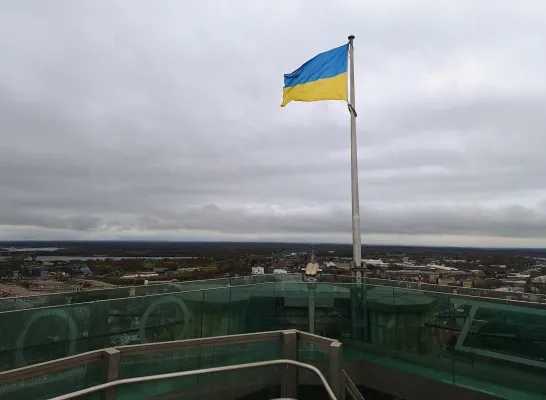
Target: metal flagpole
[(359, 309), (357, 247)]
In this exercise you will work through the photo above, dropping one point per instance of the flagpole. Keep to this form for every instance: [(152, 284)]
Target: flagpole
[(357, 246)]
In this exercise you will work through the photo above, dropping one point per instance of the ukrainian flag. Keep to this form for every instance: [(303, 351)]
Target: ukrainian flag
[(324, 77)]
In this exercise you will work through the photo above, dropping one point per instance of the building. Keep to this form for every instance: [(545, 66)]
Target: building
[(280, 271), (338, 265), (437, 267), (187, 270), (83, 271), (161, 271), (139, 275), (258, 270), (376, 263), (448, 280)]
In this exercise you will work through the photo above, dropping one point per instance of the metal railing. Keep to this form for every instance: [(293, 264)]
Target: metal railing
[(112, 357), (153, 378), (64, 298), (350, 388)]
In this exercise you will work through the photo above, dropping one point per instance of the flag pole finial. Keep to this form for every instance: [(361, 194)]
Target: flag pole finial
[(351, 38)]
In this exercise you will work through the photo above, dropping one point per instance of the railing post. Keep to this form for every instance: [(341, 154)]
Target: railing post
[(336, 370), (289, 383), (112, 359)]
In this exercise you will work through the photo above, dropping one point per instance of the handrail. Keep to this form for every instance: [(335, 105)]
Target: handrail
[(153, 378), (146, 348), (64, 363), (60, 364), (351, 387), (320, 340)]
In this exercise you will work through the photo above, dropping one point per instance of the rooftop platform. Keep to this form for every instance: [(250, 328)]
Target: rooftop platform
[(493, 346)]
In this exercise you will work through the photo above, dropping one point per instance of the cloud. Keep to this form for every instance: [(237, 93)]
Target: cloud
[(128, 120)]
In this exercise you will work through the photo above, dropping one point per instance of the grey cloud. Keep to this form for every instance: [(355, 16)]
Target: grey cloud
[(128, 117), (512, 221)]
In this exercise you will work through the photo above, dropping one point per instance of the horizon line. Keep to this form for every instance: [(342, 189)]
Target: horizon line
[(174, 241)]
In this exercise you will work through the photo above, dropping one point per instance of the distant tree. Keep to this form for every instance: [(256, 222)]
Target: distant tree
[(15, 261)]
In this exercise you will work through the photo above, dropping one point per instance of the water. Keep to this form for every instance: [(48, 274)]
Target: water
[(27, 249), (81, 258)]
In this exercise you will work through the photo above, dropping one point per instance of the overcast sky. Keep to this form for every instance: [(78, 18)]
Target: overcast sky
[(162, 119)]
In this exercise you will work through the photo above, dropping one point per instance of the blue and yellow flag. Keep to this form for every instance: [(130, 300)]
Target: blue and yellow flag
[(324, 77)]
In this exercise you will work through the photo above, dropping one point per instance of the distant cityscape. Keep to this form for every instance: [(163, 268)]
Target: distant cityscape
[(30, 268)]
